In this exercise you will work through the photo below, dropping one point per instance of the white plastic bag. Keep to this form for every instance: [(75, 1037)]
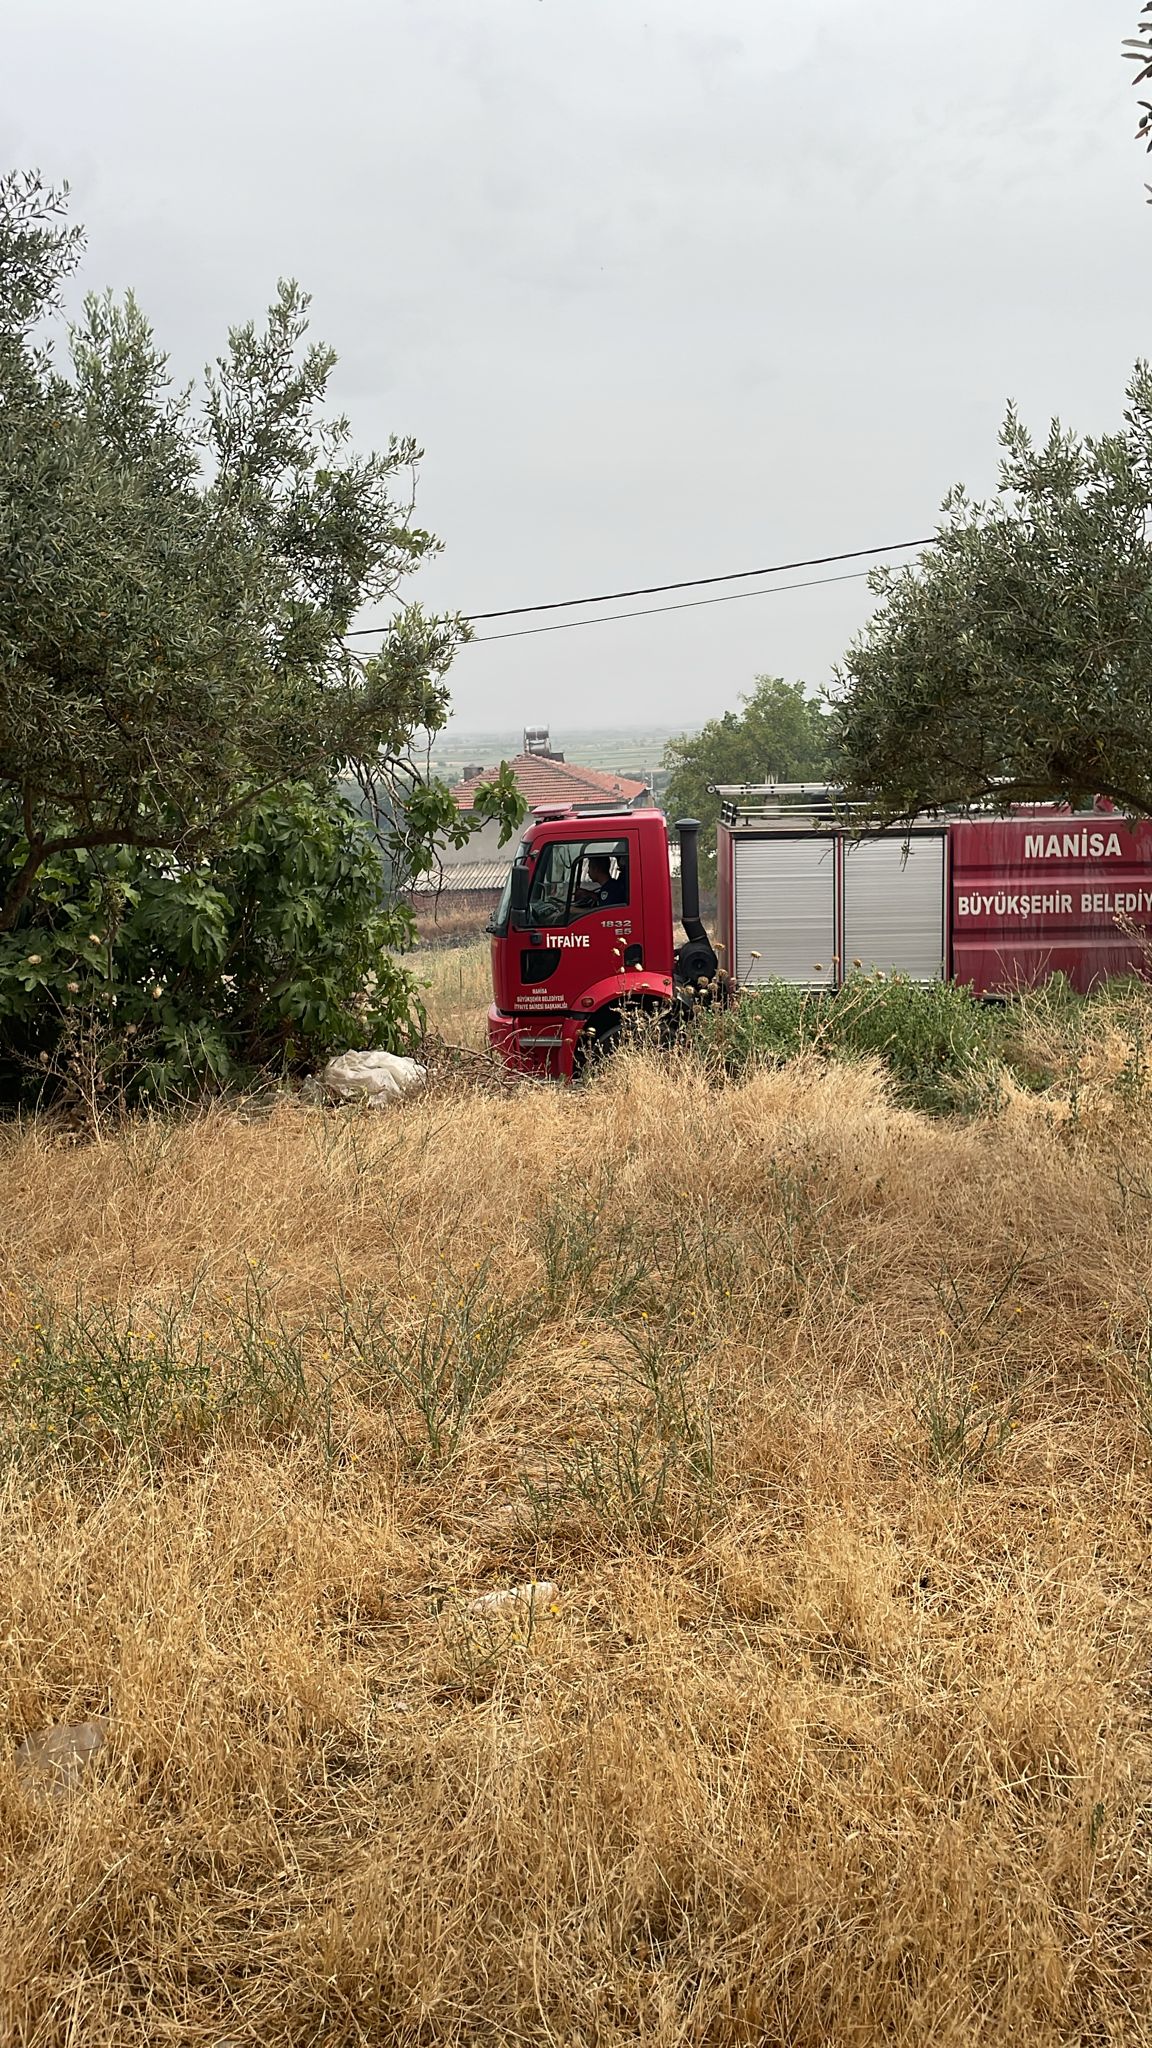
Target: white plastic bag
[(374, 1077), (539, 1594)]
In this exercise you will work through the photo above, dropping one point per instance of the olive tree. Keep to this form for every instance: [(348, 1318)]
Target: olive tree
[(179, 700), (1014, 661), (180, 571)]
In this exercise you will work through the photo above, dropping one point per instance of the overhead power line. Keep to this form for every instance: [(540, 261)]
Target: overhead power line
[(659, 589), (690, 604), (696, 582)]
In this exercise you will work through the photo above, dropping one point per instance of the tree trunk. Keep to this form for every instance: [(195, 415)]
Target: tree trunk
[(22, 882)]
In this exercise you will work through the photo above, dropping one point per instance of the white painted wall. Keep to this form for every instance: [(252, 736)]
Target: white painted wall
[(483, 845)]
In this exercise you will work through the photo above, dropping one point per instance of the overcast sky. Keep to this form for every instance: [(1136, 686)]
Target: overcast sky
[(664, 287)]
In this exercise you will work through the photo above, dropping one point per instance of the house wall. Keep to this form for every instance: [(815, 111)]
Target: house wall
[(483, 845)]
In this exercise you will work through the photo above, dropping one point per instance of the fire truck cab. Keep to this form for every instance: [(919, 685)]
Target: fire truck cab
[(582, 936)]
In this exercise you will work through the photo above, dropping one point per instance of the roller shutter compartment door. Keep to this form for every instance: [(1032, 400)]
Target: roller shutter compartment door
[(894, 907), (785, 892)]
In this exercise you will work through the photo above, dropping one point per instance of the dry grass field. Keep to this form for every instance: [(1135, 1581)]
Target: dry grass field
[(829, 1425), (456, 987)]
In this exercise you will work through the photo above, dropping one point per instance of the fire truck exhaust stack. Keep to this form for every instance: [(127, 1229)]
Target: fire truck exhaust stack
[(696, 959)]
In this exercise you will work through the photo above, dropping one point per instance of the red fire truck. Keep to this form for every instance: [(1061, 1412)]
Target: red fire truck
[(584, 935)]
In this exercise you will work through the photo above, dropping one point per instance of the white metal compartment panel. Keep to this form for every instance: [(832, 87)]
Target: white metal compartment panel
[(785, 909), (893, 914)]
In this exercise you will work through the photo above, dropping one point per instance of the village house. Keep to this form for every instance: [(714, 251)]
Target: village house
[(472, 876)]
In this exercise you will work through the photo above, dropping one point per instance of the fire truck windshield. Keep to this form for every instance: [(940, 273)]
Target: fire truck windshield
[(575, 877), (498, 922)]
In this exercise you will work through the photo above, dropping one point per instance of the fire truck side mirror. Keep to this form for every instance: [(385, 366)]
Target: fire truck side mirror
[(521, 883)]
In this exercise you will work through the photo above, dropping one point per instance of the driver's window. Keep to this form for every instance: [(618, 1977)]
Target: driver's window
[(575, 877), (601, 878)]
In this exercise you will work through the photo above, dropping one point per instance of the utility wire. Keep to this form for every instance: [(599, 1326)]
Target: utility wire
[(658, 589), (690, 604), (695, 582)]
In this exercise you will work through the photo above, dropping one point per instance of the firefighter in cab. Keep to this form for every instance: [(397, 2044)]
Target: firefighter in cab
[(600, 886)]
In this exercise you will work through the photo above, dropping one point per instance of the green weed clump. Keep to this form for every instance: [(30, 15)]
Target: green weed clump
[(594, 1249), (946, 1052), (91, 1381), (645, 1471), (438, 1366), (942, 1049)]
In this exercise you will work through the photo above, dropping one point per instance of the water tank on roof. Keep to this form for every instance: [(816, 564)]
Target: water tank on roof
[(537, 741)]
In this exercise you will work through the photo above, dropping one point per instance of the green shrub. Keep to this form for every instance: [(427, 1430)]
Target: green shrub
[(946, 1051), (153, 979), (941, 1047)]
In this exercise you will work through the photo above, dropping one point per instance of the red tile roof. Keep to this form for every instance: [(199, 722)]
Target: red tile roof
[(557, 782)]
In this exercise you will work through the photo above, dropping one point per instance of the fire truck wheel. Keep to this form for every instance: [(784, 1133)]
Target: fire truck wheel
[(619, 1024)]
